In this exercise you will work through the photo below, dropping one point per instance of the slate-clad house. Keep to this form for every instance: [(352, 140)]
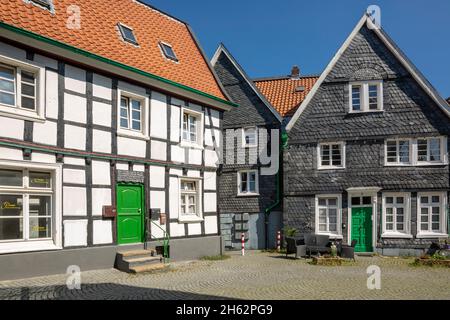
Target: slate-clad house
[(103, 105), (368, 151)]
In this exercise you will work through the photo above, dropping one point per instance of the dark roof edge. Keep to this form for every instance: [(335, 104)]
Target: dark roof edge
[(141, 2), (285, 77)]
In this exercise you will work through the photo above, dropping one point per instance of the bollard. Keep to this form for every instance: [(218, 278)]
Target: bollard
[(279, 241), (243, 243)]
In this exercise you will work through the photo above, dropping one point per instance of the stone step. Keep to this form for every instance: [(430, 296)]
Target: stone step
[(134, 262), (149, 268), (136, 253)]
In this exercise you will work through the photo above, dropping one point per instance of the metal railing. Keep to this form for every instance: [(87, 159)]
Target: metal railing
[(165, 240)]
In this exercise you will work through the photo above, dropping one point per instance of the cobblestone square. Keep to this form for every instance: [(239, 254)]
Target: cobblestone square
[(258, 275)]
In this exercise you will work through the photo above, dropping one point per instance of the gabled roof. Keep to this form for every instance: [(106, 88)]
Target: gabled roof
[(223, 50), (285, 93), (100, 37), (417, 75)]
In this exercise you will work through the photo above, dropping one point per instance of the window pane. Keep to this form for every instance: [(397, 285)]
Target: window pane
[(322, 202), (367, 200), (40, 180), (424, 200), (389, 200), (435, 226), (336, 155), (28, 77), (356, 201), (391, 151), (252, 186), (422, 147), (11, 229), (11, 205), (136, 115), (28, 103), (389, 226), (424, 226), (40, 228), (400, 200), (11, 178), (332, 201), (6, 73), (373, 97), (123, 123), (435, 149), (136, 125), (332, 227), (356, 98), (322, 227), (6, 85), (435, 199), (404, 151), (7, 98), (28, 90)]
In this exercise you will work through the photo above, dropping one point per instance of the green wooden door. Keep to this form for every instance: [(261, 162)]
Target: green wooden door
[(129, 214), (362, 229)]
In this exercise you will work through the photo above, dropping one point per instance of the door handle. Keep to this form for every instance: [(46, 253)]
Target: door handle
[(139, 210)]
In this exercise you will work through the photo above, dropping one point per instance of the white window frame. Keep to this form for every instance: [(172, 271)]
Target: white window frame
[(244, 142), (397, 162), (364, 96), (330, 166), (198, 217), (55, 243), (407, 215), (37, 115), (338, 234), (200, 129), (239, 182), (121, 27), (413, 152), (144, 133), (442, 219), (164, 53)]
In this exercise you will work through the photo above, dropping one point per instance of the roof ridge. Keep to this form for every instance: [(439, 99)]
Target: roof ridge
[(260, 79), (151, 7)]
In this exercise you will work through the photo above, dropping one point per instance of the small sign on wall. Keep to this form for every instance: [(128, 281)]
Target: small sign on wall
[(109, 212)]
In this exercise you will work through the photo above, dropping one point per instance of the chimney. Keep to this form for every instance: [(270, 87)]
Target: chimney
[(295, 73)]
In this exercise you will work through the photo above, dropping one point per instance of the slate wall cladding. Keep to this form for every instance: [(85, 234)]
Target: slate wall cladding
[(408, 112)]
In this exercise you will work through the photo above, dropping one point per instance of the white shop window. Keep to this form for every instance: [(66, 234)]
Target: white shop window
[(396, 215), (248, 184), (21, 89), (28, 208), (432, 213), (328, 215), (366, 96), (190, 200), (331, 155)]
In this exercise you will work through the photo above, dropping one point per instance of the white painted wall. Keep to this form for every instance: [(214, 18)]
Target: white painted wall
[(51, 94), (158, 150), (100, 197), (75, 108), (210, 202), (10, 153), (194, 229), (210, 224), (101, 141), (175, 126), (75, 79), (75, 233), (177, 230), (157, 176), (45, 133), (102, 232), (74, 137), (101, 173), (177, 154), (158, 200), (158, 109), (102, 87), (74, 176), (11, 128), (101, 113), (43, 157), (74, 201), (74, 161), (131, 147), (210, 180)]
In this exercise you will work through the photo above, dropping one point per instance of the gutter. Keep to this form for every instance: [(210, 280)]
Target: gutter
[(268, 210), (113, 63)]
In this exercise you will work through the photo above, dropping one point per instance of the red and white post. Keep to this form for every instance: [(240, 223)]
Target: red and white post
[(279, 241), (243, 243)]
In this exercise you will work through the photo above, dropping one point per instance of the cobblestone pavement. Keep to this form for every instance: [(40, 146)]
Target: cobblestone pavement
[(258, 275)]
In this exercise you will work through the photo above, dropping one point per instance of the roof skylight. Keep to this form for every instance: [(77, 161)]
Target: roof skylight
[(127, 34), (168, 51), (46, 4)]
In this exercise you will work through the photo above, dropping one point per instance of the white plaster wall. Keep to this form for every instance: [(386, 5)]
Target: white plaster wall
[(174, 194), (11, 154), (122, 166), (102, 233), (75, 79), (215, 115), (211, 224), (11, 128), (209, 134), (210, 202), (75, 233), (101, 141), (175, 172), (45, 133), (138, 167), (101, 173), (102, 87), (177, 230), (74, 161), (211, 158), (131, 147), (51, 94), (100, 197), (101, 113), (158, 109), (158, 150), (157, 176), (75, 108), (46, 61), (43, 157), (158, 200), (74, 176), (157, 232), (210, 180), (74, 201), (175, 126), (194, 107), (195, 156), (74, 137), (194, 229), (132, 88), (193, 173), (177, 154)]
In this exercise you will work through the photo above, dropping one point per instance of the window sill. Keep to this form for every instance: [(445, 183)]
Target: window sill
[(190, 220), (16, 113), (131, 134), (28, 246), (332, 235), (431, 235), (396, 235), (249, 146), (185, 144), (419, 164), (364, 111), (248, 194), (330, 168)]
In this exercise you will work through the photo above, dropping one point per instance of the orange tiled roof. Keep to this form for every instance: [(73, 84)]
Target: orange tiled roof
[(99, 35), (282, 94)]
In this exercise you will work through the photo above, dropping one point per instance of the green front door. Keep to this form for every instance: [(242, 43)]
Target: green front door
[(362, 229), (129, 214)]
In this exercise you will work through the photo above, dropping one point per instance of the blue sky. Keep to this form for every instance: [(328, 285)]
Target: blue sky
[(268, 37)]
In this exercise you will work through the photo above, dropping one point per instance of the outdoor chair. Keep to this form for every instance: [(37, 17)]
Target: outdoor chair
[(348, 251), (317, 243), (295, 245)]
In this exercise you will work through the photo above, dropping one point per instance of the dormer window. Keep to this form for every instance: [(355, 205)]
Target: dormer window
[(366, 96), (46, 4), (168, 51), (127, 34)]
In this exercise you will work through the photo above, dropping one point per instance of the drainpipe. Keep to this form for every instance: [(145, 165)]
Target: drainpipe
[(268, 210)]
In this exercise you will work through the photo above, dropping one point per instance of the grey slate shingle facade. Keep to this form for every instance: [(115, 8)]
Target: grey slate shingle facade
[(408, 112)]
